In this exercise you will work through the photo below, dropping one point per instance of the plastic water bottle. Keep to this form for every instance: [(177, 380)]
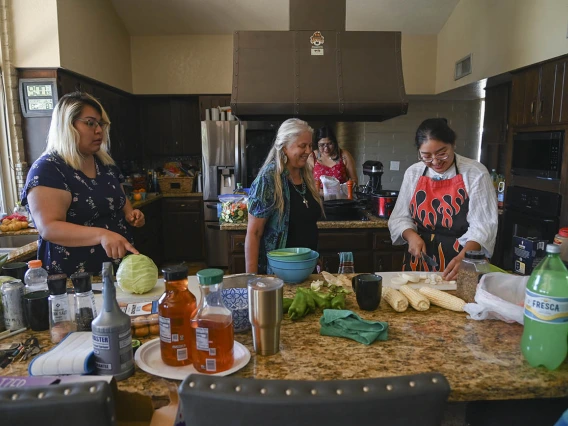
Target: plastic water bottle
[(36, 294), (545, 334), (112, 335)]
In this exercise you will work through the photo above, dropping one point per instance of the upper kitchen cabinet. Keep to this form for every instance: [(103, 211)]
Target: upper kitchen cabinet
[(493, 142), (212, 101), (538, 95), (170, 125)]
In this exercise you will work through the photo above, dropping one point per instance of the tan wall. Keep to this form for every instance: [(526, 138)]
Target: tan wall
[(419, 64), (182, 64), (36, 40), (502, 35), (94, 42)]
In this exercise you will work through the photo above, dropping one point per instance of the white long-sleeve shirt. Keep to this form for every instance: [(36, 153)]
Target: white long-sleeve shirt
[(482, 215)]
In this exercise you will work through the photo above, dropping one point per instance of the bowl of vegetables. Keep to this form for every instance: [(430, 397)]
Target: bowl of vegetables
[(290, 254), (294, 271), (233, 208)]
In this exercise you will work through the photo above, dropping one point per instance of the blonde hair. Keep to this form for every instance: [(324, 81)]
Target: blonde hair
[(63, 137), (288, 133)]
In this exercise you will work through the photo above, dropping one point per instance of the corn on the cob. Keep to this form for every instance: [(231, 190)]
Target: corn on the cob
[(394, 298), (416, 300), (443, 300)]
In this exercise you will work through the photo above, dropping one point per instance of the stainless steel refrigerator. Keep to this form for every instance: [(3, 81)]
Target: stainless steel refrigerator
[(233, 152)]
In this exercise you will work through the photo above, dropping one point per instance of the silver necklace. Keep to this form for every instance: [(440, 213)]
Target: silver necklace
[(302, 192)]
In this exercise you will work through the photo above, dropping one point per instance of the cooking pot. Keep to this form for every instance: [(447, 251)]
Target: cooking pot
[(383, 202), (341, 209)]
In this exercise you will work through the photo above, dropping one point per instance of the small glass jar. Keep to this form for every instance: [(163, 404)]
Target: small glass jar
[(60, 322), (85, 308), (473, 266)]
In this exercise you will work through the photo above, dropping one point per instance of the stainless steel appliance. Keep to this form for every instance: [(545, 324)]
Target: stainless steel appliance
[(373, 169), (233, 152)]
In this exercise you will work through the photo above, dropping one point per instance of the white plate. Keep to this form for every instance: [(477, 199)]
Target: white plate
[(149, 359), (388, 276)]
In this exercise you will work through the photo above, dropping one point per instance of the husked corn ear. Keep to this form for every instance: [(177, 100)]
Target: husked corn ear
[(416, 300), (442, 299), (395, 298)]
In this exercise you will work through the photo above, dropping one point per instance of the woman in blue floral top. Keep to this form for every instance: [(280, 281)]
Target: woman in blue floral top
[(74, 192), (284, 204)]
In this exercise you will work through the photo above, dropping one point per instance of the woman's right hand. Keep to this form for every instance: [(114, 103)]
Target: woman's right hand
[(116, 246), (416, 244)]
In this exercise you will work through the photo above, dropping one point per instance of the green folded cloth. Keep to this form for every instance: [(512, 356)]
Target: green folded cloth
[(343, 323)]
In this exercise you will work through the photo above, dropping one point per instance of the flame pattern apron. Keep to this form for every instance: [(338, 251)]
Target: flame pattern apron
[(439, 208)]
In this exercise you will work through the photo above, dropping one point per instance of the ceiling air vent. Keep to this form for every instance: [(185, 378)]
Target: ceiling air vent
[(463, 67)]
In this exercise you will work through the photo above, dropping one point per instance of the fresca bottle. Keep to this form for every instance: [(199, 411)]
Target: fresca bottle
[(545, 334), (213, 326), (176, 307)]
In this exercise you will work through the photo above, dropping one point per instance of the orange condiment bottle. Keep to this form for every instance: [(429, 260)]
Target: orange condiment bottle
[(350, 189), (176, 308), (213, 326)]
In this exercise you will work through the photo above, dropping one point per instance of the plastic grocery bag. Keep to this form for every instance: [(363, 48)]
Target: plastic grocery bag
[(499, 296), (331, 188)]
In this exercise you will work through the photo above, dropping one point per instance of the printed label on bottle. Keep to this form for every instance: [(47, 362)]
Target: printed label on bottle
[(60, 310), (165, 330), (202, 338), (101, 342), (547, 309), (181, 354), (210, 364)]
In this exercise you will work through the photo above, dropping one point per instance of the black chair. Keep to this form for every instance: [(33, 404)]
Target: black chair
[(85, 404), (405, 400)]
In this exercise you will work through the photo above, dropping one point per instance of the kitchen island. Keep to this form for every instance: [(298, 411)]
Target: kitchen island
[(480, 359)]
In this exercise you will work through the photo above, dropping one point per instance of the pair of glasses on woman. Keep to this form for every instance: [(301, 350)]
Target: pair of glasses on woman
[(428, 159), (92, 124), (325, 145)]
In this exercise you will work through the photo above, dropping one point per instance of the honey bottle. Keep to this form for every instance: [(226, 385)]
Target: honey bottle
[(213, 326), (176, 308)]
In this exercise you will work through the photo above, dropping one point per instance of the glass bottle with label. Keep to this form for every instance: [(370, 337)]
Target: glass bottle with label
[(176, 308), (213, 326), (545, 333), (60, 322), (85, 308)]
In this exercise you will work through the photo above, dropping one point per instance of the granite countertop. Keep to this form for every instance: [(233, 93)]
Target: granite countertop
[(373, 223), (480, 359)]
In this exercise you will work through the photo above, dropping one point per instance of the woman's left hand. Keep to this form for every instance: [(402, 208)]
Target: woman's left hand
[(136, 218), (452, 269)]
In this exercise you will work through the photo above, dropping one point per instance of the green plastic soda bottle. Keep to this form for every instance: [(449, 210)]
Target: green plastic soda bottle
[(545, 334)]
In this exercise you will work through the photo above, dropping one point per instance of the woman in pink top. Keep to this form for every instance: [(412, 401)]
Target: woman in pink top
[(329, 160)]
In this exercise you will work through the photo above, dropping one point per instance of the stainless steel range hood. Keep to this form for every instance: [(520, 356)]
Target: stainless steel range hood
[(348, 76)]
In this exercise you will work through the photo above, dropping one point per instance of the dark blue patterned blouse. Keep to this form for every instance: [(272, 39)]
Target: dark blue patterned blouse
[(95, 202)]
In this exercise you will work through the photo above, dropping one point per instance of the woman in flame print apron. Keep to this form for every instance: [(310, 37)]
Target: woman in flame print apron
[(446, 205)]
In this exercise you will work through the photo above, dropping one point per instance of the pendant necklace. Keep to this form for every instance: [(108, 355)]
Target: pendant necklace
[(302, 192)]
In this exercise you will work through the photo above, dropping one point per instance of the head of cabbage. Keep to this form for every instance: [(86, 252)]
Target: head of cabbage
[(137, 274)]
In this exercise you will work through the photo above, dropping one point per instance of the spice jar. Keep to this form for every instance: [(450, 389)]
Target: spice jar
[(85, 309), (473, 266)]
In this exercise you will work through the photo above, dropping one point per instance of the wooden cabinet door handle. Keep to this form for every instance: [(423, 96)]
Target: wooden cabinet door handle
[(532, 108), (386, 241), (541, 107)]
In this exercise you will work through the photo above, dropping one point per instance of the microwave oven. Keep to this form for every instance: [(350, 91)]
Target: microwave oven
[(537, 154)]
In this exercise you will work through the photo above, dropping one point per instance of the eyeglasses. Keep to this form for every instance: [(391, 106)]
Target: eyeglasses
[(92, 124), (429, 159), (325, 145)]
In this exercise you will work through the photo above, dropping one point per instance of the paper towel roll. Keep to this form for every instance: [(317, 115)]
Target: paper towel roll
[(214, 114)]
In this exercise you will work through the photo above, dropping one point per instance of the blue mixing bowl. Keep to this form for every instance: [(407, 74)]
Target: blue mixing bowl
[(294, 272)]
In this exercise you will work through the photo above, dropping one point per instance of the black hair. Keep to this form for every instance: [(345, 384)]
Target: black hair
[(326, 132), (435, 128)]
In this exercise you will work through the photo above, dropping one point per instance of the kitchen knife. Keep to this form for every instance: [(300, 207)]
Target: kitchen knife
[(429, 261)]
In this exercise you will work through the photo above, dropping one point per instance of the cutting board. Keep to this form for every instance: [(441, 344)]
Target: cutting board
[(388, 276)]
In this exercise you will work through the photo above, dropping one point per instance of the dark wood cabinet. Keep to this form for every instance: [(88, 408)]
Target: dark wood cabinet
[(148, 239), (494, 138), (170, 126), (372, 250), (182, 229), (537, 95)]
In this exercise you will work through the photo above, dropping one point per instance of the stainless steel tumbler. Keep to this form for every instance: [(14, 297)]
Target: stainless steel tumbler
[(265, 313)]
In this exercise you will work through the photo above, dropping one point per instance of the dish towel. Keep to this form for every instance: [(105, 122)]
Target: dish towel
[(73, 355), (343, 323)]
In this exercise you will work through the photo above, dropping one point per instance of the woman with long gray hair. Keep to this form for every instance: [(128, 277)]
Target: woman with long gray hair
[(284, 204)]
